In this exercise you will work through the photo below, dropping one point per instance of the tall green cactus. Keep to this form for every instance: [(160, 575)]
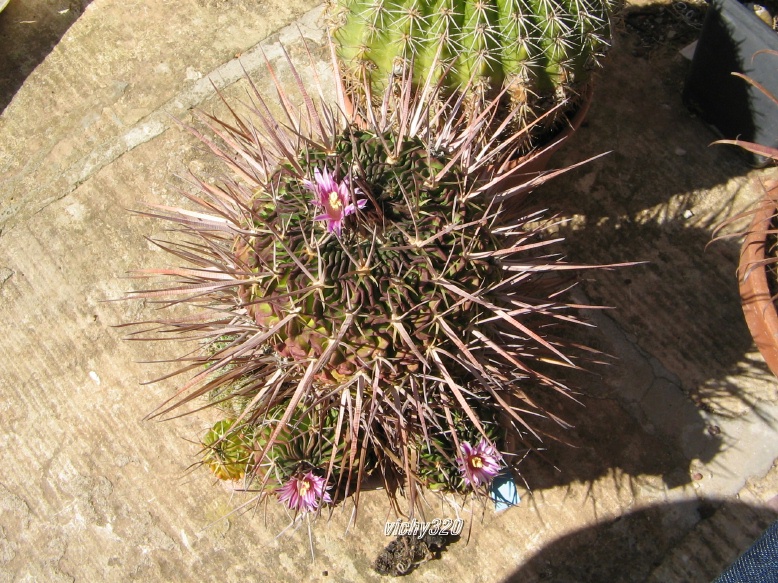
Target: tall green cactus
[(541, 52)]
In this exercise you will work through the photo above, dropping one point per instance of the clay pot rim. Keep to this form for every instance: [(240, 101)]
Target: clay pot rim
[(755, 297)]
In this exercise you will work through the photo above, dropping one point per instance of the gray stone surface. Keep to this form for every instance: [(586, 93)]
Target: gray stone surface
[(675, 440)]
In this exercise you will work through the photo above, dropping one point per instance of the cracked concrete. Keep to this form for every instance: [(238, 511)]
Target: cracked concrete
[(674, 439)]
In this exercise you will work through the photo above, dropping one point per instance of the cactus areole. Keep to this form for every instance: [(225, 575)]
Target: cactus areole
[(540, 52)]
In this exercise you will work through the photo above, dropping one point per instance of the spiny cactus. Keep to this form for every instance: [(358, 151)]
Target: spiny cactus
[(536, 54), (362, 296), (307, 441)]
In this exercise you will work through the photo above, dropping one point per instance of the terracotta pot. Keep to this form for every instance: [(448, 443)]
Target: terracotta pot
[(755, 297)]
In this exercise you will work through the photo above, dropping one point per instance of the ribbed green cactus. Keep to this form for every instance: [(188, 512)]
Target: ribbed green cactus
[(308, 440), (540, 51)]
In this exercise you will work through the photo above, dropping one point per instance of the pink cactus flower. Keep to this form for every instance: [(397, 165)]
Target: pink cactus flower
[(334, 197), (479, 464), (305, 493)]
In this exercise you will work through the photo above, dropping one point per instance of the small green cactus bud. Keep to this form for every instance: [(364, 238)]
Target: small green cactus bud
[(227, 450)]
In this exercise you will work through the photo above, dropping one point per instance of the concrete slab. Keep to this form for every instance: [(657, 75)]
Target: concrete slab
[(679, 430)]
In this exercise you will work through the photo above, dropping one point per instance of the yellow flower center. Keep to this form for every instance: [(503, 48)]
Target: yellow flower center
[(476, 462), (305, 485), (335, 203)]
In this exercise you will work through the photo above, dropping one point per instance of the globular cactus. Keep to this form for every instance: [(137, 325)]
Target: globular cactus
[(540, 52), (364, 301), (308, 440)]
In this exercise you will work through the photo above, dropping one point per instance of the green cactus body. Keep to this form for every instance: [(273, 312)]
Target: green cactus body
[(368, 290), (541, 51), (227, 450), (306, 441), (438, 468), (371, 266)]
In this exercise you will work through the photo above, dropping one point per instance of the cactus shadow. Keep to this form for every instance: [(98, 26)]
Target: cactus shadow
[(684, 359), (657, 148), (30, 29), (691, 541)]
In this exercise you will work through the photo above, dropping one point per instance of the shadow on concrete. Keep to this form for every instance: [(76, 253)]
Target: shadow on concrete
[(658, 149), (677, 333), (682, 307), (661, 27), (29, 30), (680, 346), (638, 413), (658, 544), (613, 439)]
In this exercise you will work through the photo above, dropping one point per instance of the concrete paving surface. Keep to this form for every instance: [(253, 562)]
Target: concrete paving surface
[(672, 473)]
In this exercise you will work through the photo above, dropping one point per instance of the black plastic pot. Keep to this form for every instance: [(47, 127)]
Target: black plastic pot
[(731, 36)]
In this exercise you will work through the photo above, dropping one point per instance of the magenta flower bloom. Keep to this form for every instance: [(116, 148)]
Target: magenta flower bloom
[(479, 464), (304, 493), (334, 197)]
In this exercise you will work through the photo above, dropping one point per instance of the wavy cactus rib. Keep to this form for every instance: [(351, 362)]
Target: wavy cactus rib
[(541, 52), (377, 347)]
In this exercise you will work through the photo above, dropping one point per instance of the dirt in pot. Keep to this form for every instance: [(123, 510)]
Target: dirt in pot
[(664, 25)]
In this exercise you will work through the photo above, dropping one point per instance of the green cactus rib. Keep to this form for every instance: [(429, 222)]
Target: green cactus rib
[(308, 440), (227, 450), (540, 51)]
